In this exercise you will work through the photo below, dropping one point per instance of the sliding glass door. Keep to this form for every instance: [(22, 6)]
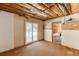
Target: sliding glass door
[(31, 32), (35, 32), (28, 32)]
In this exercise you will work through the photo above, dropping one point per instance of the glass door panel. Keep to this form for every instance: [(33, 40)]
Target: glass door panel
[(28, 32), (35, 32), (31, 32)]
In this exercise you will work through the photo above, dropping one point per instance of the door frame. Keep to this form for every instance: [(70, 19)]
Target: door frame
[(52, 27), (32, 33)]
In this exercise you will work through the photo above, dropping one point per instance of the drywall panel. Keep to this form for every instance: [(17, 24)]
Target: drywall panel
[(48, 35), (6, 31), (70, 38), (19, 31)]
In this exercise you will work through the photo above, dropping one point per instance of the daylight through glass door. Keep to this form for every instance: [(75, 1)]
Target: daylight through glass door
[(31, 32)]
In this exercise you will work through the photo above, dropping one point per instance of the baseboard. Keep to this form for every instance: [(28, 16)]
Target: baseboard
[(70, 48), (64, 46), (12, 49)]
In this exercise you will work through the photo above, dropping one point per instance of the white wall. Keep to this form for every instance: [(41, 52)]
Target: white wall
[(73, 16), (12, 30), (6, 31), (48, 24), (70, 38), (48, 35), (19, 31)]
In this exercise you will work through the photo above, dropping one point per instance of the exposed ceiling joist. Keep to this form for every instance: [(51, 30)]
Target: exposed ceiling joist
[(50, 9), (59, 8), (13, 8), (39, 9), (65, 7), (69, 7), (47, 9)]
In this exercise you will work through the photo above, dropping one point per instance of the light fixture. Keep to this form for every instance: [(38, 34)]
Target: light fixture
[(65, 9)]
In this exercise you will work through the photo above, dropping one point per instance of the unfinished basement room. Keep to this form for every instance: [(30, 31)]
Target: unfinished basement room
[(39, 29)]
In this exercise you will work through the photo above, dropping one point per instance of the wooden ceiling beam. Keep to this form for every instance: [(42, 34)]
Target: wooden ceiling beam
[(65, 7), (55, 8), (47, 9), (50, 10), (13, 9), (40, 10), (9, 9), (69, 8), (57, 5)]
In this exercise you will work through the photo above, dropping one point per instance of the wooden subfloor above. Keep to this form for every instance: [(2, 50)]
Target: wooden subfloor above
[(42, 48)]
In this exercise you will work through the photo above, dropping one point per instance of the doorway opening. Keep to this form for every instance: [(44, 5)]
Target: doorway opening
[(56, 30), (31, 32)]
